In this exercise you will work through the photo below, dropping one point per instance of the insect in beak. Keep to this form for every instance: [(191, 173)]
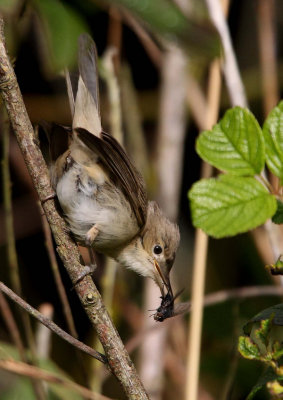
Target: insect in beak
[(166, 308)]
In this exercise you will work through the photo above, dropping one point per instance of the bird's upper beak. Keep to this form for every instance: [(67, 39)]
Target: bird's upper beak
[(165, 279)]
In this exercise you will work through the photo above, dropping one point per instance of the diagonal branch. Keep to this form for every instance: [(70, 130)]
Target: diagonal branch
[(51, 325), (118, 359)]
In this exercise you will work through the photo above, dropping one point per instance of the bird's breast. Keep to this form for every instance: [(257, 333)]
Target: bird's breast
[(88, 198)]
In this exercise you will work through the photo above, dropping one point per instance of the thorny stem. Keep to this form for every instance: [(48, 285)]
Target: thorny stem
[(118, 359)]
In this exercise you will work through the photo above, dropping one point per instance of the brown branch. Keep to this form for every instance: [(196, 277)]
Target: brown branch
[(51, 325), (24, 369), (118, 359)]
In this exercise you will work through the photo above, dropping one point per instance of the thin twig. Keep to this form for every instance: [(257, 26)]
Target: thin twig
[(198, 280), (268, 63), (24, 369), (267, 52), (171, 130), (12, 253), (169, 162), (43, 334), (227, 389), (230, 68), (201, 245), (148, 43), (57, 277), (7, 201), (213, 299), (135, 139), (114, 35), (107, 72), (12, 326), (118, 359), (51, 325), (244, 292), (60, 288)]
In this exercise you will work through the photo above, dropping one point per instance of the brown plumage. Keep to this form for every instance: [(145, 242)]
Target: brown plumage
[(101, 193)]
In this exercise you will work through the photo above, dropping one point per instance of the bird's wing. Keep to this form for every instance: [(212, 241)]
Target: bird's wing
[(114, 157), (58, 138), (87, 108)]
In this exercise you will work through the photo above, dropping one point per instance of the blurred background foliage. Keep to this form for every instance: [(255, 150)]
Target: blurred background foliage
[(42, 41)]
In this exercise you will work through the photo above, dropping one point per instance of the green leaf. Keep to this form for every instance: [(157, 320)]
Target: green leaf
[(229, 205), (273, 137), (248, 348), (278, 216), (235, 144), (264, 329), (62, 27)]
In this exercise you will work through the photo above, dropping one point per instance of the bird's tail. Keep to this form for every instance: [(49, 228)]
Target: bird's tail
[(84, 104)]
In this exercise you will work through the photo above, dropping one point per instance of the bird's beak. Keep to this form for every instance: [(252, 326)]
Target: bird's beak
[(165, 280)]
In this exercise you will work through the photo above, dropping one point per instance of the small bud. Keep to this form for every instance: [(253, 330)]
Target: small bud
[(90, 298)]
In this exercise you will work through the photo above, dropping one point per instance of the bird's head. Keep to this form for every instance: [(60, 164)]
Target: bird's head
[(152, 253)]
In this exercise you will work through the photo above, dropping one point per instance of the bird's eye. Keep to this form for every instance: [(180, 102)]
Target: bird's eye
[(157, 249)]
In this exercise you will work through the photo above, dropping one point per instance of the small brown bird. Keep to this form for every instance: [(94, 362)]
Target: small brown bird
[(101, 193)]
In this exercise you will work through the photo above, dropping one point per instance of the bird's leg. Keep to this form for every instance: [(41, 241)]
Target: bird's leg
[(91, 235), (89, 239), (88, 269)]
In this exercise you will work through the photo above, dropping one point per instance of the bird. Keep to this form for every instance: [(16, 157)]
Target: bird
[(102, 195)]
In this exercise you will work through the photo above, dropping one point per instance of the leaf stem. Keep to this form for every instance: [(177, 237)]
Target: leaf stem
[(267, 184)]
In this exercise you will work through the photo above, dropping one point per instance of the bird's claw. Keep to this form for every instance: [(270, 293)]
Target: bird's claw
[(87, 270)]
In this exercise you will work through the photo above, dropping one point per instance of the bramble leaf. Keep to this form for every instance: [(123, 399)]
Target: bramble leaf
[(278, 216), (229, 205), (235, 144), (248, 349)]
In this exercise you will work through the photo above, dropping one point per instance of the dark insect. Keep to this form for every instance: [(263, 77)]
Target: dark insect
[(166, 308)]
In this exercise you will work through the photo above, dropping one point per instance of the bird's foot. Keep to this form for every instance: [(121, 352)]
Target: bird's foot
[(50, 197), (87, 270)]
